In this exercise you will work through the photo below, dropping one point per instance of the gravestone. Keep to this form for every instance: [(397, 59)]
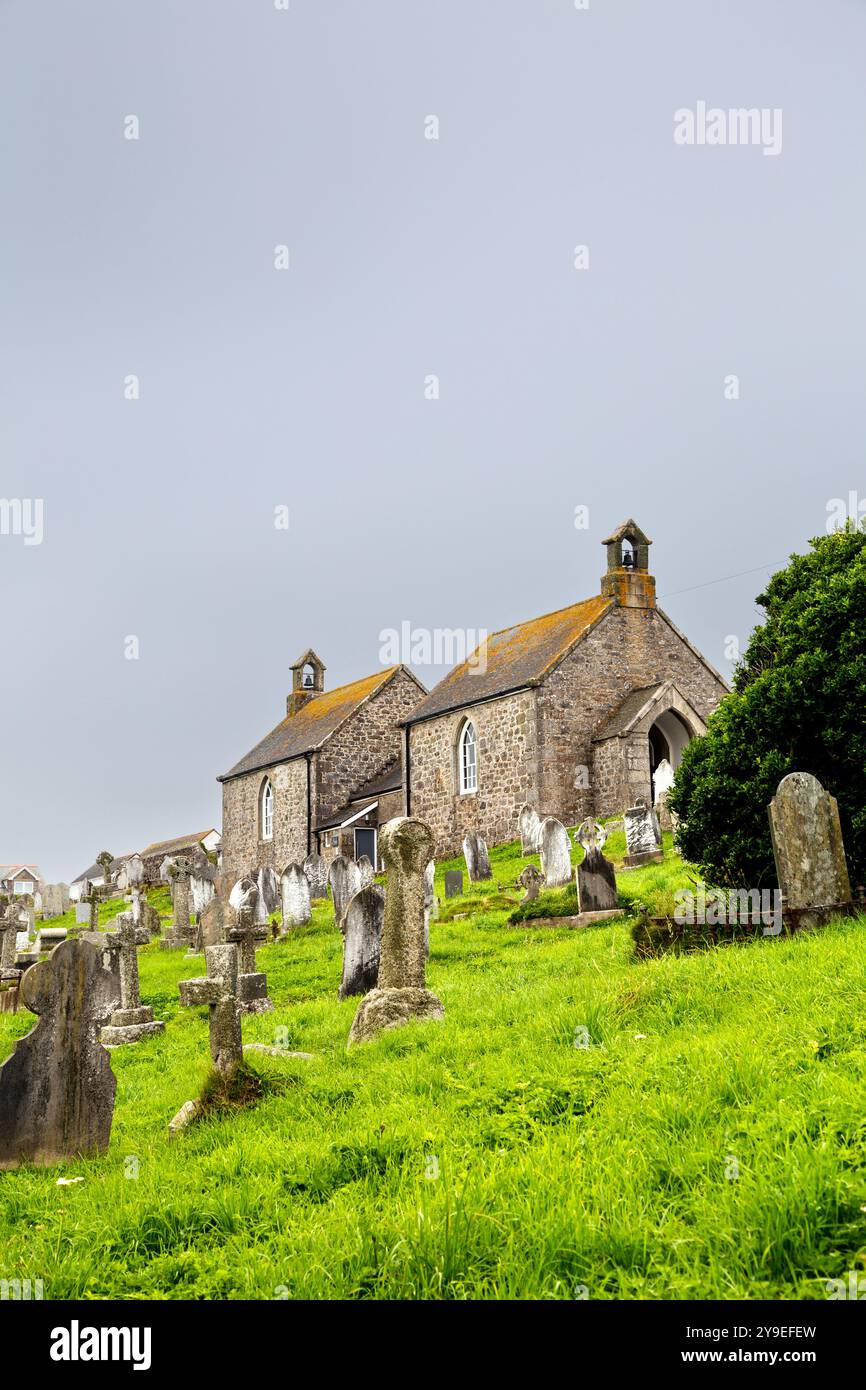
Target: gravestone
[(642, 835), (401, 993), (244, 893), (807, 844), (52, 901), (252, 984), (213, 924), (105, 861), (453, 883), (180, 936), (48, 938), (10, 975), (295, 888), (202, 881), (596, 880), (663, 780), (475, 854), (269, 896), (361, 946), (82, 912), (365, 869), (431, 906), (219, 990), (555, 853), (144, 914), (529, 826), (57, 1088), (530, 880), (317, 874), (133, 1020), (345, 879)]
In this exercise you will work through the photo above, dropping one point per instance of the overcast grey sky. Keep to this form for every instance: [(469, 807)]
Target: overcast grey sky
[(408, 256)]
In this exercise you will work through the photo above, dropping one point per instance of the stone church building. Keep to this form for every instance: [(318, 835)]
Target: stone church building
[(570, 712), (306, 784)]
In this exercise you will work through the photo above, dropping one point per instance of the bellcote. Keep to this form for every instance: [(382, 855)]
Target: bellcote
[(308, 681), (628, 580)]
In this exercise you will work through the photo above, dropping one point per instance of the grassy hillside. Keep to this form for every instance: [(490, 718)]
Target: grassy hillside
[(709, 1142)]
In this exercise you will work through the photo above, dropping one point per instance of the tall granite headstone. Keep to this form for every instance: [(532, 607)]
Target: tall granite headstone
[(401, 993)]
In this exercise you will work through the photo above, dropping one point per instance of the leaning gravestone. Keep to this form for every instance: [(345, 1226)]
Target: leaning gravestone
[(807, 844), (219, 990), (555, 853), (401, 993), (363, 935), (317, 874), (295, 887), (477, 860), (133, 1020), (642, 835), (345, 880), (596, 880), (528, 825), (366, 870), (530, 879), (57, 1088), (453, 883)]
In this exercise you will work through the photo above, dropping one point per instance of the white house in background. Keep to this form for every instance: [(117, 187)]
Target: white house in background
[(20, 878)]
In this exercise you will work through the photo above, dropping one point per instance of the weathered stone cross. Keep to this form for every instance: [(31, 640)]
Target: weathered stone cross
[(219, 990), (133, 1020)]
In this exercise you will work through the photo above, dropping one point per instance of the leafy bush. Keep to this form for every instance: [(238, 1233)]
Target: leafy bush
[(796, 705)]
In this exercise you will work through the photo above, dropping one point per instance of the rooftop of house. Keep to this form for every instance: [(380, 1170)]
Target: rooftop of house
[(514, 658), (314, 723), (95, 870), (160, 848), (11, 870)]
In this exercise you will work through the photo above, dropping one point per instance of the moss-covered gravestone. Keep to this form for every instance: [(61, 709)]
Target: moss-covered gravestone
[(477, 858), (362, 941), (807, 844), (57, 1089), (596, 880), (401, 993), (344, 877)]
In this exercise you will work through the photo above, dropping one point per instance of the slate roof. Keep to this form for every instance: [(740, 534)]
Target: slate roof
[(314, 722), (180, 842), (517, 657), (95, 870)]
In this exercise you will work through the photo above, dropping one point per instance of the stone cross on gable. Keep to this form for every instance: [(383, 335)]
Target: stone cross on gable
[(219, 990), (133, 1020)]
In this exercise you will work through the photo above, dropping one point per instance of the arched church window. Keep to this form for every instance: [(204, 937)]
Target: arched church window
[(467, 759), (267, 810)]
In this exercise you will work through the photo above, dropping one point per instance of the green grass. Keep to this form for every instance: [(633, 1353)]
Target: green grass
[(488, 1156)]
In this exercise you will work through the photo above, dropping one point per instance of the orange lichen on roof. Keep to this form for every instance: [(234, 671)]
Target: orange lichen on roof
[(513, 657), (315, 721)]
